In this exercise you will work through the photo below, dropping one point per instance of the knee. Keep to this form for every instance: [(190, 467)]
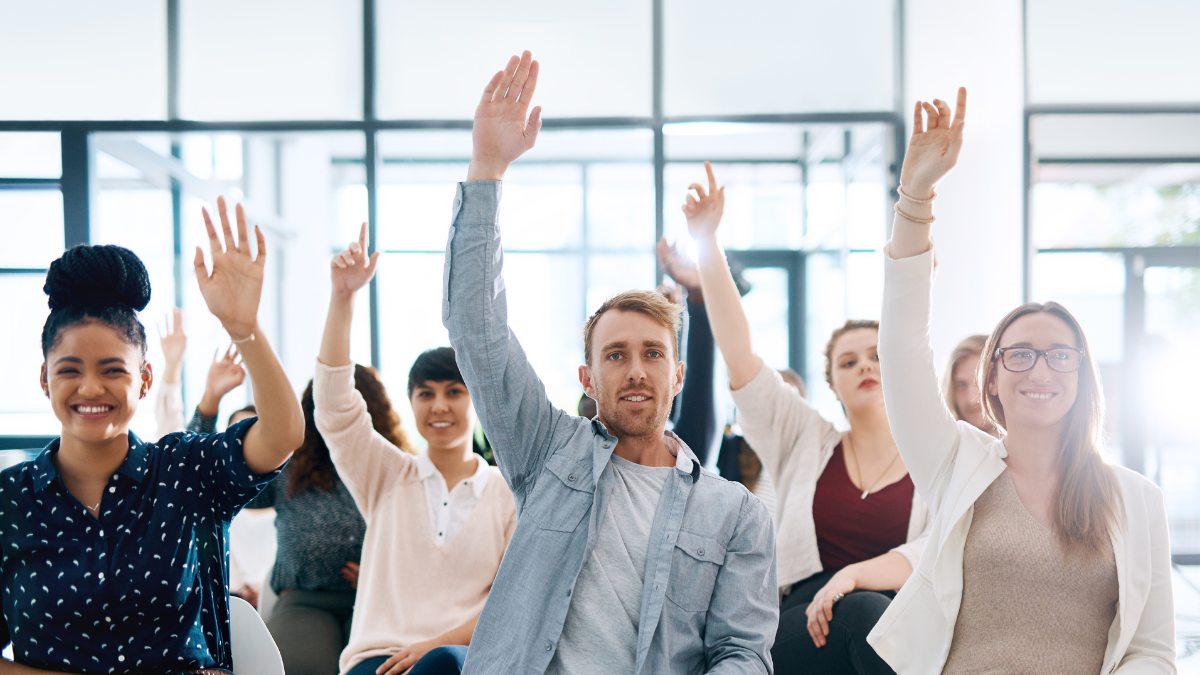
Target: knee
[(861, 611), (445, 659)]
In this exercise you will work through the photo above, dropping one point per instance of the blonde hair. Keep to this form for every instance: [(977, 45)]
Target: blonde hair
[(1088, 501), (970, 346), (851, 324), (651, 303)]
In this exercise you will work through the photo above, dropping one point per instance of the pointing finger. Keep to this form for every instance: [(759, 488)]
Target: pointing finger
[(712, 179), (960, 108)]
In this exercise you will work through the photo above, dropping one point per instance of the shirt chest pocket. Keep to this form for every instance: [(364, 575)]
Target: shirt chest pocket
[(695, 563), (563, 495)]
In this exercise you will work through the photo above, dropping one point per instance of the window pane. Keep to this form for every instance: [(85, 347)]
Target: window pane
[(1062, 137), (33, 227), (826, 308), (777, 57), (620, 206), (1082, 51), (30, 155), (608, 275), (1172, 331), (270, 59), (764, 204), (1128, 211), (24, 410), (83, 59), (435, 58)]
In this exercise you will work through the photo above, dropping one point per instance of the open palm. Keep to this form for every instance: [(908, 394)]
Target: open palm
[(233, 289), (501, 132), (704, 210), (225, 373), (934, 146), (351, 269)]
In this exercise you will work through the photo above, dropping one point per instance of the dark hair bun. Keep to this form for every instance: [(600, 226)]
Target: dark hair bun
[(91, 276)]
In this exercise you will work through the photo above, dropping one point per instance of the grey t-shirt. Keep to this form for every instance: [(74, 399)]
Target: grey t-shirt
[(600, 632)]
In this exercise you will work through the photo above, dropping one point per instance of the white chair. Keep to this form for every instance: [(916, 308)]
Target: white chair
[(254, 651)]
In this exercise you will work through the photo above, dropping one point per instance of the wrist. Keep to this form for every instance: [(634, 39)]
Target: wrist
[(916, 190), (209, 405), (482, 168), (850, 574), (240, 333), (173, 373)]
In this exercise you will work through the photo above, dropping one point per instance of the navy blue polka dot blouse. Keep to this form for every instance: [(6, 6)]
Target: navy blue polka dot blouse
[(143, 588)]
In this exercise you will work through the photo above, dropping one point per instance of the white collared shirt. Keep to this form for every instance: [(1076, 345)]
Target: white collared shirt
[(448, 510)]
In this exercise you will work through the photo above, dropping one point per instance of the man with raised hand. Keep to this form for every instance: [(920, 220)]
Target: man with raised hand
[(627, 558)]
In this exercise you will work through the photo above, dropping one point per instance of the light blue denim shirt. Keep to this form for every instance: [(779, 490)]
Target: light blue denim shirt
[(709, 602)]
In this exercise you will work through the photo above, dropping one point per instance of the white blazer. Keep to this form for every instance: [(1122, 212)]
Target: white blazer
[(951, 464)]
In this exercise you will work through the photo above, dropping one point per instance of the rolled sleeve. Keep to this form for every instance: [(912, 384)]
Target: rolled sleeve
[(236, 483)]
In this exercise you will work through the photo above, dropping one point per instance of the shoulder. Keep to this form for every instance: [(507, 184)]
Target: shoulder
[(1135, 485), (728, 497)]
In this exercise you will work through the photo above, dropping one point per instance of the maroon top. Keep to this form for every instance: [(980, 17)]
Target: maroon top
[(851, 529)]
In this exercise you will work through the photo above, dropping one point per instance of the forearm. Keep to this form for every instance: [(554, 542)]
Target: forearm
[(457, 636), (280, 427), (887, 572), (335, 343), (729, 325)]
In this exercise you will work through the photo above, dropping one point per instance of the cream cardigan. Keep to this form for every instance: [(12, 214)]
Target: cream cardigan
[(794, 444), (952, 464), (409, 589)]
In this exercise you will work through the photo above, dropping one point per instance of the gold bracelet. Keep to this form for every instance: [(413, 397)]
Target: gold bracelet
[(900, 191), (919, 221)]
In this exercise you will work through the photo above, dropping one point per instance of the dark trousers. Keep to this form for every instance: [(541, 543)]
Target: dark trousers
[(439, 661), (311, 629), (846, 651)]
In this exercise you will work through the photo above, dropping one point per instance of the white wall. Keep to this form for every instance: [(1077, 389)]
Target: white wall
[(950, 43)]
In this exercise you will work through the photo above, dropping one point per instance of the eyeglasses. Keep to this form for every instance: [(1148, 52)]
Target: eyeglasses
[(1021, 359)]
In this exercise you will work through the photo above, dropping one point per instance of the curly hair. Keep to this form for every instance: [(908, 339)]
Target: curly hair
[(311, 465), (101, 283)]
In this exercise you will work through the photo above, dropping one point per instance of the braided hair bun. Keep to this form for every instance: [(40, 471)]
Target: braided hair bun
[(104, 283), (98, 275)]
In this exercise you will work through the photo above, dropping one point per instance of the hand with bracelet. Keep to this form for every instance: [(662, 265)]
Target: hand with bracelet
[(932, 153)]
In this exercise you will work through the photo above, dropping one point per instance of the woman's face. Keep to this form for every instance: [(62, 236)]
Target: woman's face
[(856, 369), (1039, 397), (94, 380), (445, 418), (966, 393)]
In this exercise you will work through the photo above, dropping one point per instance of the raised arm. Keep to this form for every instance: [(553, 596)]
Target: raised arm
[(232, 292), (932, 153), (510, 399), (729, 324), (350, 271), (168, 409), (923, 427)]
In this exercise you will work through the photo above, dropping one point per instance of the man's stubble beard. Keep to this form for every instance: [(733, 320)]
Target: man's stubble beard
[(634, 426)]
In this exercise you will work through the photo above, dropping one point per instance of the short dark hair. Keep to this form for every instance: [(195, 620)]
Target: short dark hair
[(434, 365), (244, 409)]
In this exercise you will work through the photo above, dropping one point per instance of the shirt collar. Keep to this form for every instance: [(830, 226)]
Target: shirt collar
[(479, 479), (685, 459), (134, 466)]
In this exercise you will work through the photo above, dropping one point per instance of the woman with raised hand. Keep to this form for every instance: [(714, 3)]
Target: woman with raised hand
[(850, 525), (437, 524), (319, 535), (1043, 558), (114, 549)]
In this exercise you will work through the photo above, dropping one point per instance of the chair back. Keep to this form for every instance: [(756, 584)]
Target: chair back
[(254, 651)]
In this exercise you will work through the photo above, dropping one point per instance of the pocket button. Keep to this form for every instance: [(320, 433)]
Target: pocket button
[(571, 477)]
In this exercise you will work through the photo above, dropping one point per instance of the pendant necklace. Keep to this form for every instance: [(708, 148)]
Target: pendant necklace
[(858, 468)]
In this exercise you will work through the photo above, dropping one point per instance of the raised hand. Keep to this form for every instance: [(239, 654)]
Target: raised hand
[(501, 132), (704, 210), (352, 269), (234, 288), (680, 268), (225, 374), (174, 343), (934, 146)]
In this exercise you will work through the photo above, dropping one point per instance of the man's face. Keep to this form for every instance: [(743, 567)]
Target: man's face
[(634, 374)]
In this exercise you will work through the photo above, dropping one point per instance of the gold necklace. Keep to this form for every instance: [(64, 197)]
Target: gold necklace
[(858, 467)]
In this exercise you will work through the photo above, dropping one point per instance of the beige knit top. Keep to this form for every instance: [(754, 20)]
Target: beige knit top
[(1026, 608)]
